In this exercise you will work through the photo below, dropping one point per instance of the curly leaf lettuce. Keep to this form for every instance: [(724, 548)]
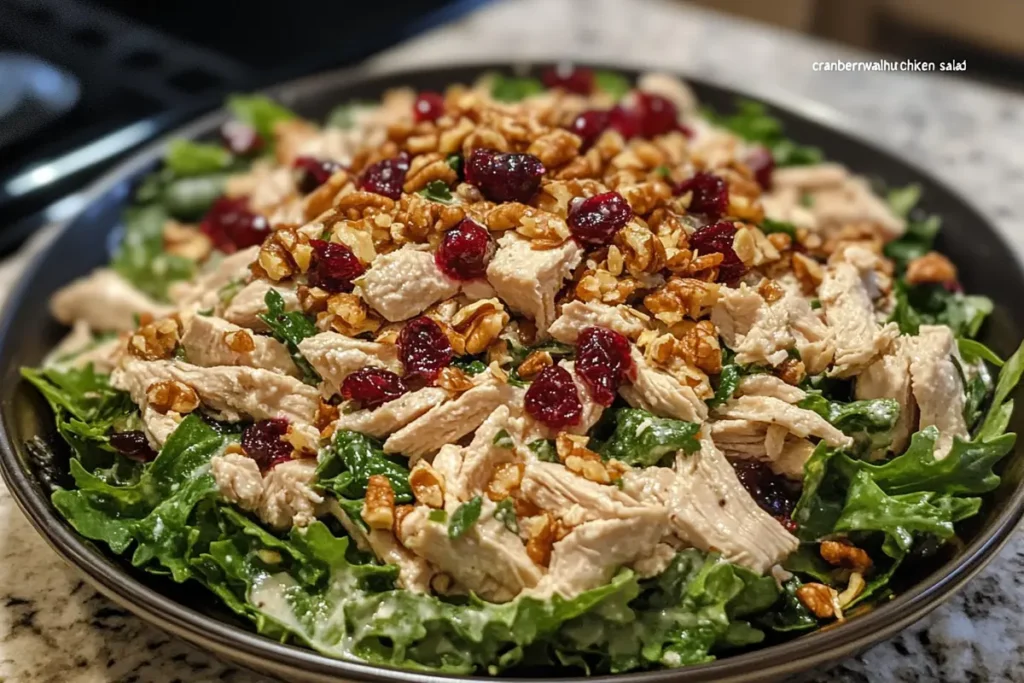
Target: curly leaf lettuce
[(642, 440), (290, 328)]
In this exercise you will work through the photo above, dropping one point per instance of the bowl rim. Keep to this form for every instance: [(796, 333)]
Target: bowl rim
[(239, 645)]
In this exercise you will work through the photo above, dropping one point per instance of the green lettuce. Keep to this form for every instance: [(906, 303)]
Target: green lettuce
[(140, 258), (869, 422), (613, 84), (753, 123), (930, 304), (187, 158), (260, 112), (290, 328), (513, 89), (641, 439), (348, 462)]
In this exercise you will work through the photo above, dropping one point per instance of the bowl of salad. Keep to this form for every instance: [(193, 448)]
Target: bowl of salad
[(549, 372)]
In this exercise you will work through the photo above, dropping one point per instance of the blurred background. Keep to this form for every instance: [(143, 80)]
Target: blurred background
[(82, 82)]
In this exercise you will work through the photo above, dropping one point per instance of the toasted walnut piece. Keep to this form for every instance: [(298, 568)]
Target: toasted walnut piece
[(845, 554), (591, 470), (349, 315), (780, 241), (455, 380), (753, 248), (701, 348), (420, 176), (155, 340), (182, 240), (642, 251), (485, 138), (770, 290), (312, 299), (401, 512), (534, 363), (614, 261), (234, 448), (506, 216), (543, 229), (480, 324), (302, 445), (555, 148), (358, 204), (441, 583), (792, 371), (682, 297), (588, 165), (505, 480), (275, 262), (427, 485), (705, 266), (421, 144), (645, 197), (321, 199), (451, 140), (818, 598), (808, 271), (171, 395), (540, 533), (379, 506), (240, 341), (568, 445), (325, 415), (854, 587), (601, 285), (932, 268)]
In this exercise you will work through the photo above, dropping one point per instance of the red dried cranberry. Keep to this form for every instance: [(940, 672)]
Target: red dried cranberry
[(626, 120), (953, 286), (335, 267), (465, 251), (657, 114), (718, 238), (424, 349), (589, 125), (429, 106), (762, 165), (373, 387), (603, 362), (553, 398), (264, 443), (241, 139), (569, 78), (773, 493), (133, 445), (311, 172), (595, 220), (232, 226), (710, 194), (504, 177), (386, 177)]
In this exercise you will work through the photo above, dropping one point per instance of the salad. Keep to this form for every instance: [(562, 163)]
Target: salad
[(563, 372)]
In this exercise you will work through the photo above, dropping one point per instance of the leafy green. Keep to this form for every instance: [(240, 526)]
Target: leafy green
[(972, 350), (260, 112), (918, 240), (505, 512), (348, 462), (870, 422), (290, 328), (1002, 407), (519, 352), (614, 84), (503, 439), (464, 517), (768, 226), (544, 450), (437, 191), (641, 439), (753, 123), (344, 115), (932, 304), (513, 89), (791, 614), (729, 378), (471, 365), (186, 158), (902, 199), (140, 259)]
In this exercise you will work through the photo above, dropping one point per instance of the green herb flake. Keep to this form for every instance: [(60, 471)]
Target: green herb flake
[(613, 84), (226, 293), (503, 439), (260, 112), (513, 89), (465, 516), (437, 191), (187, 158), (505, 512), (439, 516), (544, 450), (769, 226)]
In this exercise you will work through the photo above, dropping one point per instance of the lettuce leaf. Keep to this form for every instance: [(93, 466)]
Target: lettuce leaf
[(513, 89), (140, 258), (753, 123), (260, 112), (187, 158), (928, 304), (641, 439), (869, 422), (290, 328)]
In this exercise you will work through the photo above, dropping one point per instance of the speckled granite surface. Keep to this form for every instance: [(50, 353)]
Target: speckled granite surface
[(53, 628)]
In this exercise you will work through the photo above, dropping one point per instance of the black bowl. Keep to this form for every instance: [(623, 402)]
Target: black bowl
[(987, 266)]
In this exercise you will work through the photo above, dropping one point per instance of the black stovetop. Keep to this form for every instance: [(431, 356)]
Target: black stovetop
[(89, 70)]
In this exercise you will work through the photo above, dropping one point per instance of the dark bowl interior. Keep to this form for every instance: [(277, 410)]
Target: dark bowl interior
[(987, 266)]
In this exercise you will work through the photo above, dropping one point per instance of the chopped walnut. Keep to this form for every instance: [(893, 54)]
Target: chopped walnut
[(820, 599), (478, 325), (326, 414), (427, 168), (753, 248), (303, 446), (505, 480), (601, 285), (699, 345), (172, 396), (642, 251), (401, 512), (932, 268), (808, 272), (540, 533), (534, 363), (556, 148), (854, 587), (845, 554), (186, 241), (427, 485), (379, 505), (770, 290), (155, 340), (348, 315), (792, 371), (682, 297), (240, 341), (454, 380)]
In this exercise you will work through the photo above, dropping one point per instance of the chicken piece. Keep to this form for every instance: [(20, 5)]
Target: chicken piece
[(814, 340), (414, 573), (289, 498), (798, 421), (404, 283), (889, 377), (245, 307), (336, 356), (205, 290), (450, 421), (758, 332), (234, 392), (80, 348), (763, 384), (105, 301), (578, 315), (767, 443), (936, 384), (393, 415), (238, 479), (854, 202), (469, 471), (591, 554), (810, 177), (528, 279), (575, 500), (207, 342), (662, 394), (672, 88), (158, 426), (710, 510), (846, 293), (487, 559)]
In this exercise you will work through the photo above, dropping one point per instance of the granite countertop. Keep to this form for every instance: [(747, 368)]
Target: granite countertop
[(55, 628)]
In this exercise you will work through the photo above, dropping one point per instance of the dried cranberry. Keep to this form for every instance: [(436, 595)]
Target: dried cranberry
[(424, 349), (429, 106), (373, 387), (334, 267), (718, 238), (241, 139), (773, 493), (953, 286), (603, 362), (133, 445), (589, 125), (569, 78), (762, 165), (386, 177), (657, 114), (626, 120), (232, 226), (311, 172), (595, 220), (504, 177), (465, 251), (710, 194), (264, 442), (553, 398)]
